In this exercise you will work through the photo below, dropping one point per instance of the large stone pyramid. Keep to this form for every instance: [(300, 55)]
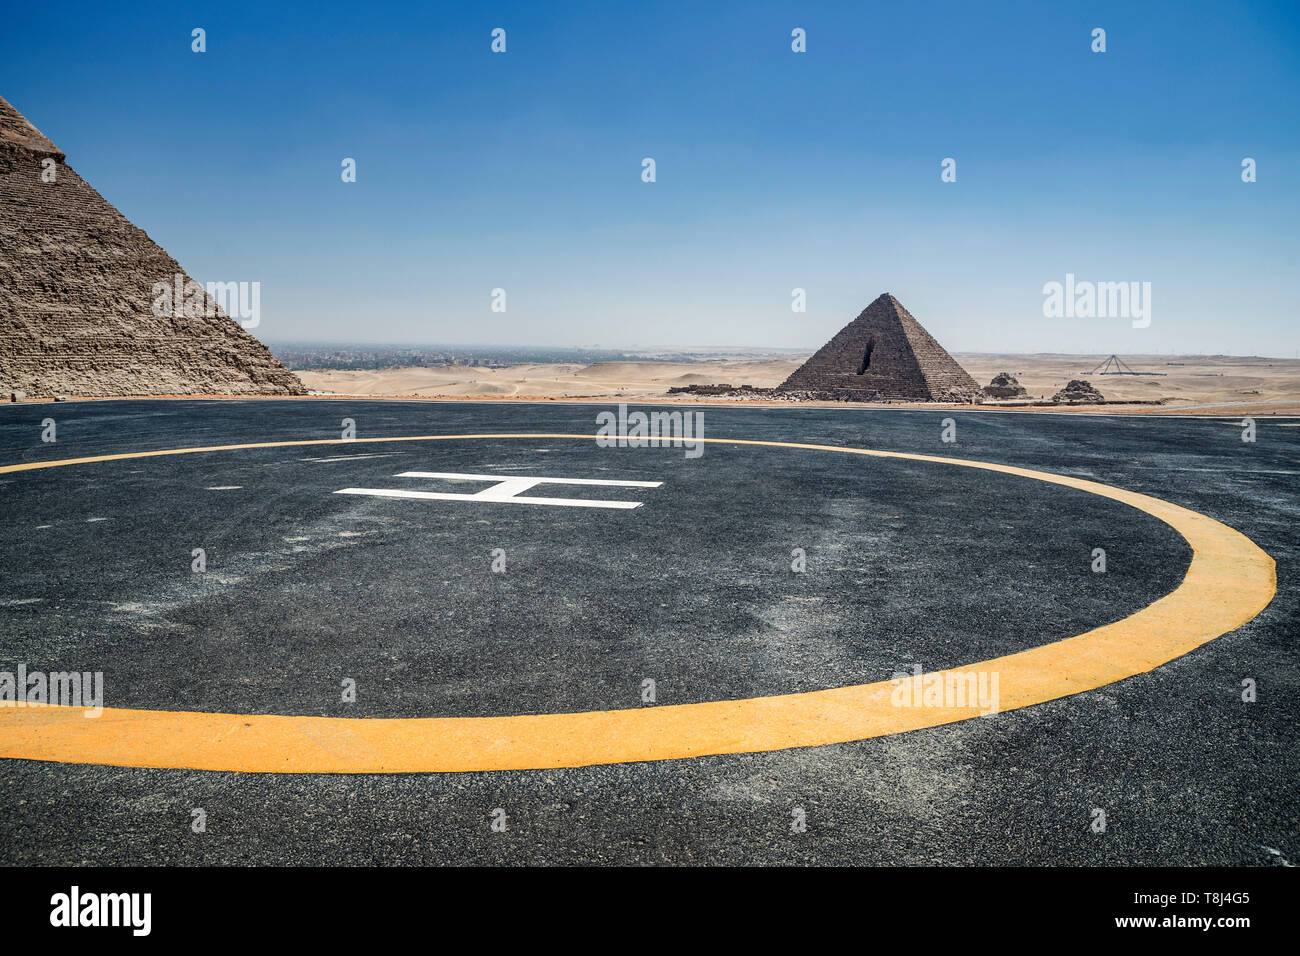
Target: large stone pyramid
[(76, 295), (883, 354)]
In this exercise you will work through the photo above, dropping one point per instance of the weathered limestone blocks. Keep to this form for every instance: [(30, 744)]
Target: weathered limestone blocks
[(1005, 385), (1078, 391), (76, 280)]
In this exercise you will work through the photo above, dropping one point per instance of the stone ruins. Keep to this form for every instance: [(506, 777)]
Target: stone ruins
[(882, 354), (1005, 385), (77, 295), (1078, 391)]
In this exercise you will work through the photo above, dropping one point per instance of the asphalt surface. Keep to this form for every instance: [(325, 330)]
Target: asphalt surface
[(908, 563)]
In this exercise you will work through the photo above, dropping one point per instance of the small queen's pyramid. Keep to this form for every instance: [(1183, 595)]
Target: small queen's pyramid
[(80, 313), (884, 354)]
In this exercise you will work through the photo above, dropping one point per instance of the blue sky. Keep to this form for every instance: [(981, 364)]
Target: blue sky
[(775, 170)]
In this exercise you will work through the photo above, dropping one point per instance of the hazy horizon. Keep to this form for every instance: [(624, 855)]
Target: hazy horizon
[(504, 346)]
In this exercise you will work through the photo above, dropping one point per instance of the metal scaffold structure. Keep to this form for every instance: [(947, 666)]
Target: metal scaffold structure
[(1115, 366)]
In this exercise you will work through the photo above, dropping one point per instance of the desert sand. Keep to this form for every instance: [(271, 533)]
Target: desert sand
[(1184, 381), (1187, 379), (600, 380)]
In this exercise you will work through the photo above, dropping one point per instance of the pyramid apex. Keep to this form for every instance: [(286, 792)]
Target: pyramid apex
[(886, 300), (17, 130)]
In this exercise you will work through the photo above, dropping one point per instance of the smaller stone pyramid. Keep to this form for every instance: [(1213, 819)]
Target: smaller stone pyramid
[(1005, 385), (883, 354), (1079, 392)]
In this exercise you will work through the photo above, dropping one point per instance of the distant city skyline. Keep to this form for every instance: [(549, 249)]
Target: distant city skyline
[(775, 170)]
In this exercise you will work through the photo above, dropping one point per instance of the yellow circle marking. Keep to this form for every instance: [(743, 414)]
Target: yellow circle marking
[(1229, 581)]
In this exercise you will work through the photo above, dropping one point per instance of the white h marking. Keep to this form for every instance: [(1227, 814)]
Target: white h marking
[(505, 490)]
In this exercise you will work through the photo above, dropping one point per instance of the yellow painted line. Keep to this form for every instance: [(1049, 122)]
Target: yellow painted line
[(1229, 581)]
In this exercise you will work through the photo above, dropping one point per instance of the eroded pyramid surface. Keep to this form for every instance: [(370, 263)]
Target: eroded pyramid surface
[(883, 354), (76, 294)]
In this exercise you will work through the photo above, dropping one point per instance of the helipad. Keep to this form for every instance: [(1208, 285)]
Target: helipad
[(1228, 582)]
